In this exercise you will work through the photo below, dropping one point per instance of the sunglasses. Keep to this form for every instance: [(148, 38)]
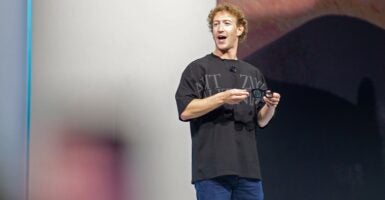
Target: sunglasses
[(260, 93)]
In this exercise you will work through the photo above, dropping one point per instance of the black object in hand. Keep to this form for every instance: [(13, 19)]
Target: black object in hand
[(260, 93)]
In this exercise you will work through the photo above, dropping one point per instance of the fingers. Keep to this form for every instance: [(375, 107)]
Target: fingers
[(235, 96), (272, 99), (236, 99), (238, 92)]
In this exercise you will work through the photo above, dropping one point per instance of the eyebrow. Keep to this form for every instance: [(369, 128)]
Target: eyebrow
[(223, 20)]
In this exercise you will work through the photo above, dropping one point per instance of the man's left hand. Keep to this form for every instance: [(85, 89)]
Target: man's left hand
[(272, 99)]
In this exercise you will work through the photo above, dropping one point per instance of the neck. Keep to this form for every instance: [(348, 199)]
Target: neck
[(226, 54)]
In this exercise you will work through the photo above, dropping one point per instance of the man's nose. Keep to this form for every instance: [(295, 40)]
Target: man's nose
[(220, 27)]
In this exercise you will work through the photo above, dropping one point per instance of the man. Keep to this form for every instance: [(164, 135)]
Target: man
[(214, 95)]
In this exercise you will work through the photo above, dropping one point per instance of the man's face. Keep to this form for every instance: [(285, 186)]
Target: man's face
[(225, 31)]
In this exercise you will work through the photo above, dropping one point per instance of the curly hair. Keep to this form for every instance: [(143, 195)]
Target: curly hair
[(233, 10)]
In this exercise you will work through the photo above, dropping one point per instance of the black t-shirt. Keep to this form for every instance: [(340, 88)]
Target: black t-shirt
[(223, 140)]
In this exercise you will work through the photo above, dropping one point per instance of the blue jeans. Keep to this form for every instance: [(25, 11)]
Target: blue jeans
[(229, 188)]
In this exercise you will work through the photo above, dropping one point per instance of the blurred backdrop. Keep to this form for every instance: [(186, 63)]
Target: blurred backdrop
[(13, 99), (105, 72), (326, 59), (104, 123)]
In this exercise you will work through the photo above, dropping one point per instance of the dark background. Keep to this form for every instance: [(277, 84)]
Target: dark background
[(326, 140)]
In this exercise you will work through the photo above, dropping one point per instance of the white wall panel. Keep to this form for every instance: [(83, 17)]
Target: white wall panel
[(117, 64)]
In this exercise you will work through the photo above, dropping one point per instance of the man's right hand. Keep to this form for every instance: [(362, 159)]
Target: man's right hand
[(234, 96), (199, 107)]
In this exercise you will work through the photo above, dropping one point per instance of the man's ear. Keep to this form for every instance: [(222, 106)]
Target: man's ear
[(240, 30)]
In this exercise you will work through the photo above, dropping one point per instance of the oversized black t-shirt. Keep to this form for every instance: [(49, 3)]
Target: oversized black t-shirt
[(223, 140)]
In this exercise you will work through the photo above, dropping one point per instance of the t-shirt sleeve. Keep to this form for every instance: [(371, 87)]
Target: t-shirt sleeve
[(189, 87)]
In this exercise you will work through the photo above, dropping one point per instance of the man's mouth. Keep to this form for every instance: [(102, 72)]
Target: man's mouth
[(221, 38)]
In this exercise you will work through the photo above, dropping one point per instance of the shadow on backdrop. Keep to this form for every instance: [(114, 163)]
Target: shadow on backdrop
[(325, 143)]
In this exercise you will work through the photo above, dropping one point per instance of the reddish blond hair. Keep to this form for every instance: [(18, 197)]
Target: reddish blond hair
[(233, 10)]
